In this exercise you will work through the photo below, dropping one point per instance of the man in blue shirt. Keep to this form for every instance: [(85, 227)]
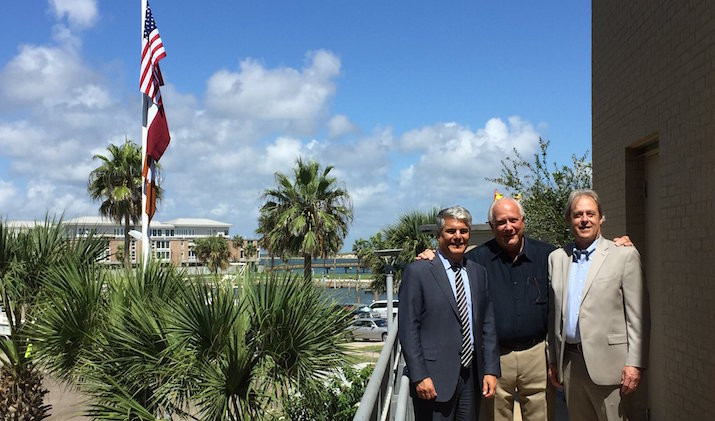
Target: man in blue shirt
[(600, 323)]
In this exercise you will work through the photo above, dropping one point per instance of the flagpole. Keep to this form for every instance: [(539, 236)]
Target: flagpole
[(146, 248)]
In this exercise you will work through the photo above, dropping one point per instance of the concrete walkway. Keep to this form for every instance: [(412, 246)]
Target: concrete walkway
[(66, 403)]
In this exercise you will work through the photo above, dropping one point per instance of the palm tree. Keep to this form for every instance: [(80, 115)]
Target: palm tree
[(26, 258), (309, 214), (213, 251), (117, 183), (407, 234), (266, 222), (237, 243), (362, 249), (251, 251)]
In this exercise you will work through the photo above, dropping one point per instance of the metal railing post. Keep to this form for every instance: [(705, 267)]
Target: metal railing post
[(373, 400)]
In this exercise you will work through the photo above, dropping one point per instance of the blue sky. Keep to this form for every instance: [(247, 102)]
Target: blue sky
[(413, 103)]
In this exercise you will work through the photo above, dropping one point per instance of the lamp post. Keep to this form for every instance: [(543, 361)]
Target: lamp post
[(138, 236), (389, 256)]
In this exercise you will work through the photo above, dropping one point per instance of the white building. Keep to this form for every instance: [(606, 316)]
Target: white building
[(171, 241)]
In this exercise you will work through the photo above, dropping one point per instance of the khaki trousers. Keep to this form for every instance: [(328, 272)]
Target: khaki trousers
[(523, 375), (586, 400)]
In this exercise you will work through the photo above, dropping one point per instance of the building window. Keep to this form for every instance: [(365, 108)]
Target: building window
[(184, 232), (161, 249), (161, 244)]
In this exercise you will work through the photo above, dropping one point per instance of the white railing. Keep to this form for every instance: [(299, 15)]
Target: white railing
[(386, 397)]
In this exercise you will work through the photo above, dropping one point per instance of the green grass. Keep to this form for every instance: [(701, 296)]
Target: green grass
[(371, 348)]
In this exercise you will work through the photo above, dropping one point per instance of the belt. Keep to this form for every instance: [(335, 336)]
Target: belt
[(577, 347), (519, 346)]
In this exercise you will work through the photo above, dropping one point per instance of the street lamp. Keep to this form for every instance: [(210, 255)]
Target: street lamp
[(389, 256), (132, 233)]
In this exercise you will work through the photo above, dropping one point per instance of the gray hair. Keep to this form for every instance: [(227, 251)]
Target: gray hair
[(490, 214), (457, 212), (576, 194)]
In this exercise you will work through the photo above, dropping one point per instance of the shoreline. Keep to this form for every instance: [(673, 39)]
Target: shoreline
[(341, 283)]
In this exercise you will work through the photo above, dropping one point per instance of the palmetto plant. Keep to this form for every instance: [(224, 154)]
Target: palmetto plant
[(151, 344), (26, 258)]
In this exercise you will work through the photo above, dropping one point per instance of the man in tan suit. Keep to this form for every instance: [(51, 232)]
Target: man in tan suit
[(598, 336)]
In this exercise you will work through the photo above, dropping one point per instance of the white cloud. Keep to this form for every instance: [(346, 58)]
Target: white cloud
[(7, 194), (281, 155), (80, 13), (454, 161), (340, 125), (220, 210), (278, 98), (43, 75)]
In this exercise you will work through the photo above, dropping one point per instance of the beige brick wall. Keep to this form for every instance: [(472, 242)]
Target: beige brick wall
[(175, 248), (654, 78)]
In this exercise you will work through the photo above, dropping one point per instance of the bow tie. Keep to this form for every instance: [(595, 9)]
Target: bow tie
[(578, 253)]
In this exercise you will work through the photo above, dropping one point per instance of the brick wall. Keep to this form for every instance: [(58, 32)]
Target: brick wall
[(654, 83)]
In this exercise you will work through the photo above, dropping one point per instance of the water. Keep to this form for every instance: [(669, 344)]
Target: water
[(348, 296), (266, 262)]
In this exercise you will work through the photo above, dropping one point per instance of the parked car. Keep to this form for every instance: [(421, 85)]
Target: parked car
[(372, 329), (380, 306), (365, 312)]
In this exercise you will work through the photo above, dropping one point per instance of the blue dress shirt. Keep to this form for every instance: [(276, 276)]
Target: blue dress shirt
[(577, 280), (467, 291)]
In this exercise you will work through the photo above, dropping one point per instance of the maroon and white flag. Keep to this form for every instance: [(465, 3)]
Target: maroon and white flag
[(154, 119)]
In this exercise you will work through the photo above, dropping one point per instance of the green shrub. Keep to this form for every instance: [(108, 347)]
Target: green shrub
[(337, 400)]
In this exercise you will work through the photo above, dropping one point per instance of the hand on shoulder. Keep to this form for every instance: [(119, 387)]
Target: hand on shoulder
[(427, 254)]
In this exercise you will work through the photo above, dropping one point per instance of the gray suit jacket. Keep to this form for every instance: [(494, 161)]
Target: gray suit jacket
[(430, 331), (614, 318)]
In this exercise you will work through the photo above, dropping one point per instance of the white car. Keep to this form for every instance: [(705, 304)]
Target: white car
[(369, 329), (380, 306)]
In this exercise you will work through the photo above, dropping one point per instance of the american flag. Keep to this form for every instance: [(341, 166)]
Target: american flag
[(152, 53), (154, 119)]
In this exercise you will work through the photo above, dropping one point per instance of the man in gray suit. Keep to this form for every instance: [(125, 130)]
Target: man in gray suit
[(598, 340), (446, 327)]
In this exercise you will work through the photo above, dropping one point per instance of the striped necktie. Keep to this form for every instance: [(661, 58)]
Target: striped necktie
[(466, 352)]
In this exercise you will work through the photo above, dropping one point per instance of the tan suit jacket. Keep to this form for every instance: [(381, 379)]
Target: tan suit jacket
[(614, 314)]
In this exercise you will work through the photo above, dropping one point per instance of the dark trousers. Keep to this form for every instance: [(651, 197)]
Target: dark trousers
[(464, 405)]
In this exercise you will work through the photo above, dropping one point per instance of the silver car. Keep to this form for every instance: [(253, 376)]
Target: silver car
[(373, 329)]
